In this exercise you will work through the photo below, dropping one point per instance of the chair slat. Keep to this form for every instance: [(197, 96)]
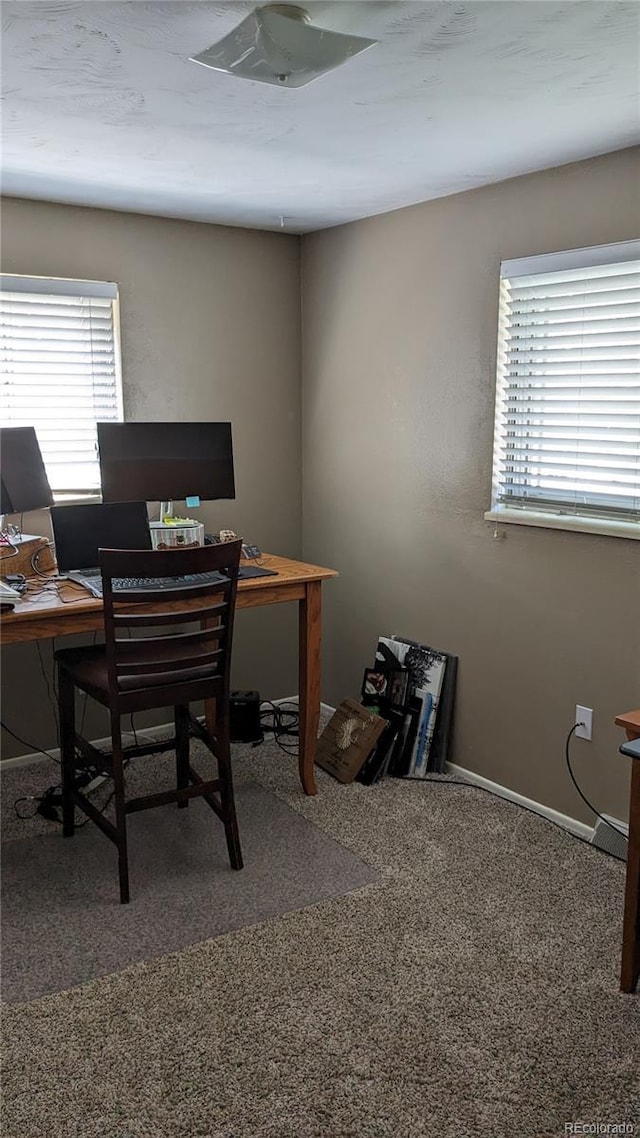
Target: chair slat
[(130, 619), (159, 596), (169, 664), (139, 647)]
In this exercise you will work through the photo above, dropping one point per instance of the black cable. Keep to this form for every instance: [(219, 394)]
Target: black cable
[(282, 722), (71, 600), (445, 781), (26, 798), (85, 697), (26, 743), (51, 691), (133, 728), (49, 802), (583, 797)]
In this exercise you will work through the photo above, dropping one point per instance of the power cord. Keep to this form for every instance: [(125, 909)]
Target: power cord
[(35, 557), (49, 803), (49, 684), (51, 798), (281, 721), (445, 781), (26, 743), (583, 796)]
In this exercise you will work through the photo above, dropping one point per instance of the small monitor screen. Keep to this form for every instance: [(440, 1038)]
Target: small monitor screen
[(80, 531), (24, 484), (165, 461)]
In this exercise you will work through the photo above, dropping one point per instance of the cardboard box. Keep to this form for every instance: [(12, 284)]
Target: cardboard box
[(348, 740), (36, 549)]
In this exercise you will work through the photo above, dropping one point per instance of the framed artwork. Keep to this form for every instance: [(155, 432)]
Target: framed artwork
[(374, 684), (416, 687)]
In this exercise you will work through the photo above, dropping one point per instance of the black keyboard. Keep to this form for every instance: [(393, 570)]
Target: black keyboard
[(125, 583), (93, 581), (154, 584)]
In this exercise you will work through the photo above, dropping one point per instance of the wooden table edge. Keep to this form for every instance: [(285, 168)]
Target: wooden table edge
[(85, 613)]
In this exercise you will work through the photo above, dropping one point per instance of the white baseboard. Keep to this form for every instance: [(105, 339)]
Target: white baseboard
[(581, 829), (147, 734)]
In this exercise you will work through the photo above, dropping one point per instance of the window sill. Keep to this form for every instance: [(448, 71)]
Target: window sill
[(565, 522)]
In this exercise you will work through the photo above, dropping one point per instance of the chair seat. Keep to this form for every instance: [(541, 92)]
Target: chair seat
[(88, 666)]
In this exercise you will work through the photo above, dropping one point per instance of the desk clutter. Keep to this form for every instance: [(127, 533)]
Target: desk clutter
[(402, 725)]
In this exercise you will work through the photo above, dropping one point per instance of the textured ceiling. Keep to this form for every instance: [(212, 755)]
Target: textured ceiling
[(102, 107)]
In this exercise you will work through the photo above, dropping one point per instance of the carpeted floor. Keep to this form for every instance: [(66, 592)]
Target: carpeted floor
[(62, 923), (470, 992)]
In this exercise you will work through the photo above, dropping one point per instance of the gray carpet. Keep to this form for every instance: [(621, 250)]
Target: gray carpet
[(62, 923), (470, 992)]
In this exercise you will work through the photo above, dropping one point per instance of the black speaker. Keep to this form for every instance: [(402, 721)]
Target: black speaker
[(244, 717)]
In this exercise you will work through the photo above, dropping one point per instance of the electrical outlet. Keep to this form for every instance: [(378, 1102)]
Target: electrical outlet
[(584, 716)]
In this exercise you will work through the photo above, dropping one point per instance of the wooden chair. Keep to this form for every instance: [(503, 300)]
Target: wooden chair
[(172, 667)]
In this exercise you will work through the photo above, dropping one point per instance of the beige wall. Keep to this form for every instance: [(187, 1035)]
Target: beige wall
[(210, 330), (399, 353)]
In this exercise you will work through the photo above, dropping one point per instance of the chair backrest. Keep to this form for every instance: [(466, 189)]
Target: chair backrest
[(173, 664)]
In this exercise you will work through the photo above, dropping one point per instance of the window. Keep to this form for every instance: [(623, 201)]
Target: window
[(60, 371), (567, 432)]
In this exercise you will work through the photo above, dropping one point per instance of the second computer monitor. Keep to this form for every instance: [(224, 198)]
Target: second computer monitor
[(165, 461), (23, 484)]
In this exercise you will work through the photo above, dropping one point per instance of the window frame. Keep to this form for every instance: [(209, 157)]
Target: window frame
[(540, 517), (72, 286)]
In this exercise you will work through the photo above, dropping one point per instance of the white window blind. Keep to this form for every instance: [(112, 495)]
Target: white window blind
[(60, 370), (567, 434)]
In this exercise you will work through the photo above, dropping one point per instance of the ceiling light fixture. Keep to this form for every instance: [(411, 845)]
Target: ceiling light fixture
[(277, 44)]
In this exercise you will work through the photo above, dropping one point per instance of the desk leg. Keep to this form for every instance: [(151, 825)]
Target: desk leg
[(631, 929), (309, 678)]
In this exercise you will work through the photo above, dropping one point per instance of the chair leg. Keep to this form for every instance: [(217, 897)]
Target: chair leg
[(226, 790), (182, 750), (121, 817), (66, 708)]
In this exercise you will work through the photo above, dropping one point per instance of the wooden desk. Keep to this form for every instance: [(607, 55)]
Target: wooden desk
[(630, 969), (43, 615)]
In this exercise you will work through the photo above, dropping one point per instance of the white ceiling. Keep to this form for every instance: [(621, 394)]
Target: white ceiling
[(103, 108)]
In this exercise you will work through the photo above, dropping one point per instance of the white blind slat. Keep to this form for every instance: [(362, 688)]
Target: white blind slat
[(567, 436), (60, 371)]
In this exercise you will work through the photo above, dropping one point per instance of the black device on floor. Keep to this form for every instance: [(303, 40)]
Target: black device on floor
[(244, 717)]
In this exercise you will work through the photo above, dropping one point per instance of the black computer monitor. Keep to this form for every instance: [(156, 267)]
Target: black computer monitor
[(80, 531), (24, 484), (165, 461)]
